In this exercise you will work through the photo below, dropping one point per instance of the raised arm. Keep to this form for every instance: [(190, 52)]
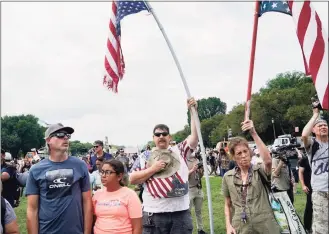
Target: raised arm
[(308, 128), (263, 150), (192, 139)]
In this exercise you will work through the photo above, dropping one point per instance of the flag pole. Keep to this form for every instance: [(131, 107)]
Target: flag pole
[(252, 60), (196, 117)]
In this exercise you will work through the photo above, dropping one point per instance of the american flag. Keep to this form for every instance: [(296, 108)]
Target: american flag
[(312, 38), (162, 188), (114, 62)]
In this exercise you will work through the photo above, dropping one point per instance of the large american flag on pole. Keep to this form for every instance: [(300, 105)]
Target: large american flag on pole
[(312, 38), (114, 61)]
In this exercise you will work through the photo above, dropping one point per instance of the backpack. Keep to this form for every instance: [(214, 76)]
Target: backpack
[(3, 213)]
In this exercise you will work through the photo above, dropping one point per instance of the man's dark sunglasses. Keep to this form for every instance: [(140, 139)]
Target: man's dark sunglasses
[(158, 134), (61, 135)]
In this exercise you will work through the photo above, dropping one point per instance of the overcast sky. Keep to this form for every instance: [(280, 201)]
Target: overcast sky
[(52, 63)]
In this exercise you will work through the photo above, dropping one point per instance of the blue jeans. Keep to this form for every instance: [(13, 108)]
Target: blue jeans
[(179, 222)]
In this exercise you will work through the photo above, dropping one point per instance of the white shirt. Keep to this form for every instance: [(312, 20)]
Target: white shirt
[(153, 204)]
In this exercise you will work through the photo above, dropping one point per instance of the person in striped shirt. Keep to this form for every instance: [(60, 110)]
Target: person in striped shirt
[(165, 196)]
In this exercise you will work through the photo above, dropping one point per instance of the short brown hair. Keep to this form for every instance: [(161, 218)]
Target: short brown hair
[(98, 142), (234, 142), (162, 127)]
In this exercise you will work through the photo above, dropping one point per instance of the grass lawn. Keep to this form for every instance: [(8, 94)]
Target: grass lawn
[(217, 203)]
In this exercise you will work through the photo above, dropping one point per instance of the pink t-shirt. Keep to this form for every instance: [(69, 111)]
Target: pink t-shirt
[(114, 211)]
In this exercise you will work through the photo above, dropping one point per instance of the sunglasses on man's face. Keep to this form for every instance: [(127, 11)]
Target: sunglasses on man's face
[(61, 135), (158, 134), (95, 146)]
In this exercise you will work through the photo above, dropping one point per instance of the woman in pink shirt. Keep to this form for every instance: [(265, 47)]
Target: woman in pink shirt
[(117, 209)]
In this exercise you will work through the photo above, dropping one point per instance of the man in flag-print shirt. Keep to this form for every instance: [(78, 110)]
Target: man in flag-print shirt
[(165, 199)]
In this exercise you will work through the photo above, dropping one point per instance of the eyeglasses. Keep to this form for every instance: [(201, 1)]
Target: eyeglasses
[(95, 146), (158, 134), (61, 135), (107, 172)]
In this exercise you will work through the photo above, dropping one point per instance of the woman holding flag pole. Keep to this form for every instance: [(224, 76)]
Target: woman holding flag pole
[(247, 207)]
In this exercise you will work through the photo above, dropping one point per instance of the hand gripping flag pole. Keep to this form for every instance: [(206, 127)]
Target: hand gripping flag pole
[(312, 38), (196, 117), (252, 61)]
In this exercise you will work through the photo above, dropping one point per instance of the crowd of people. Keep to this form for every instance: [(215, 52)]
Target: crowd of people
[(68, 195)]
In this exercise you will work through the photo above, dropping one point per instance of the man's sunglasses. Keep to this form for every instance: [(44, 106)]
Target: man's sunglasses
[(61, 135), (158, 134), (96, 146)]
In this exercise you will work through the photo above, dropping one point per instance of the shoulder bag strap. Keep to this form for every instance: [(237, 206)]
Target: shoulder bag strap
[(266, 184)]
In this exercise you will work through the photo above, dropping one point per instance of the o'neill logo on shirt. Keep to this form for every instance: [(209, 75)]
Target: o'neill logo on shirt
[(59, 183)]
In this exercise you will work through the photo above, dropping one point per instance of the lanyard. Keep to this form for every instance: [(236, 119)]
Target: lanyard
[(244, 194)]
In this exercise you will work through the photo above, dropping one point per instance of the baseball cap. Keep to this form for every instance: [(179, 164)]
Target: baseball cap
[(319, 121), (57, 127)]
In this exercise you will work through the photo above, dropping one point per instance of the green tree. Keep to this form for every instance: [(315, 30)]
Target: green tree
[(79, 148), (286, 80), (231, 121), (286, 99), (208, 107), (181, 135), (21, 132), (207, 126)]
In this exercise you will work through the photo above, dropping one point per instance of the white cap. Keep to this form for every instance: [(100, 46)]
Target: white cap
[(8, 156)]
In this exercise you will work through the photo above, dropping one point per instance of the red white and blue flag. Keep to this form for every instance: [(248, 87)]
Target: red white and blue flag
[(312, 38), (114, 61)]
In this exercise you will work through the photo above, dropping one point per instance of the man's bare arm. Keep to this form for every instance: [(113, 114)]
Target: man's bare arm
[(308, 128), (301, 175), (139, 177), (276, 170), (193, 139), (87, 211), (32, 218)]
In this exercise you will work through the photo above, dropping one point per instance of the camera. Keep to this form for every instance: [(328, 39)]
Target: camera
[(316, 103), (286, 151), (200, 165)]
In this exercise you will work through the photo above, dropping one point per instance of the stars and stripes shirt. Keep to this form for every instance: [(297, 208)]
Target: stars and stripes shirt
[(158, 190)]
